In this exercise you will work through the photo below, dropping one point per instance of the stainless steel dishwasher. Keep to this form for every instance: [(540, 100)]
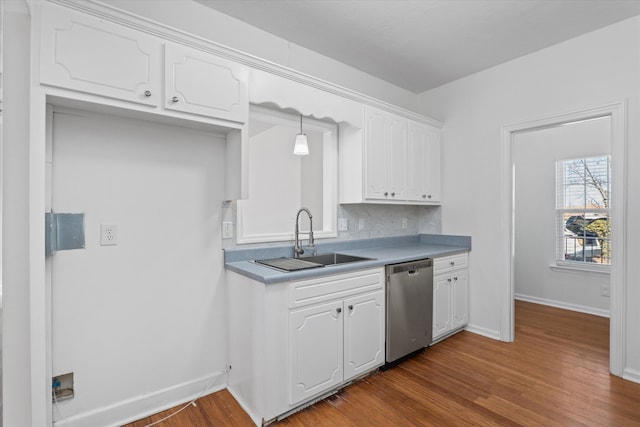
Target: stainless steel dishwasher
[(409, 307)]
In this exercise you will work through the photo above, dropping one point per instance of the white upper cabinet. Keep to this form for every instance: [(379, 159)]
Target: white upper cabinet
[(423, 163), (399, 159), (386, 155), (99, 57), (199, 83)]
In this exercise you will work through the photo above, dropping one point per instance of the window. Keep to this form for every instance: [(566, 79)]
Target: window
[(583, 201)]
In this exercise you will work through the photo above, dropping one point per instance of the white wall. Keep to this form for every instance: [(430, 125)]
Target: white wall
[(588, 71), (535, 154), (205, 22), (142, 323), (16, 368)]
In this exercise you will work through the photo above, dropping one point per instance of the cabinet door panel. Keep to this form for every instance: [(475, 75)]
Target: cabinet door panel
[(377, 161), (397, 144), (459, 299), (94, 56), (363, 333), (433, 189), (441, 305), (316, 335), (417, 180), (200, 83)]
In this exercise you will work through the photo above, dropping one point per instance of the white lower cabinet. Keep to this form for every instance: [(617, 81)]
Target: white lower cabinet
[(334, 342), (302, 339), (450, 295)]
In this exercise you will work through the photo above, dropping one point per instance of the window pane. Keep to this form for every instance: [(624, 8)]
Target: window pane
[(584, 227), (586, 183)]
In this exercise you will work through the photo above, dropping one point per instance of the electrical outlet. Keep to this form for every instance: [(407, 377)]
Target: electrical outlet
[(227, 230), (108, 234), (604, 290), (343, 224), (404, 223), (361, 224)]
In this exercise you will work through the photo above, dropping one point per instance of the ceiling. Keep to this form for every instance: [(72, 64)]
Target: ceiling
[(422, 44)]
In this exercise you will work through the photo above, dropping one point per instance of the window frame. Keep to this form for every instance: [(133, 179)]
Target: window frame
[(561, 211)]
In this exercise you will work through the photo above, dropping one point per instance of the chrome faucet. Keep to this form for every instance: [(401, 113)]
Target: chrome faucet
[(297, 249)]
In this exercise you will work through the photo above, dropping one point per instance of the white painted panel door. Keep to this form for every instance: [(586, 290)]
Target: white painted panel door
[(377, 158), (200, 83), (316, 347), (363, 333), (99, 57), (417, 177), (397, 149), (459, 299), (433, 179), (441, 305)]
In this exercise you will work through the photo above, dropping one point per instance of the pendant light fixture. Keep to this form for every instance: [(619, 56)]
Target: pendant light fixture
[(301, 147)]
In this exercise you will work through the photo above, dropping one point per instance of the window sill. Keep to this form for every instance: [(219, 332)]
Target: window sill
[(570, 267)]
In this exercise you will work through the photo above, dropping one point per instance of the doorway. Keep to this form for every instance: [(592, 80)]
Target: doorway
[(507, 233)]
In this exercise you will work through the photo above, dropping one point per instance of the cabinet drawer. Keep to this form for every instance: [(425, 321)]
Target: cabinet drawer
[(337, 286), (451, 262)]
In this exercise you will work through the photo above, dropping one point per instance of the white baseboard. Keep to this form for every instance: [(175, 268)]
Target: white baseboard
[(489, 333), (567, 306), (256, 419), (142, 406), (631, 375)]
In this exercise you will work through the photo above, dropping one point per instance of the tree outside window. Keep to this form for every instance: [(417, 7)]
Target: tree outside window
[(583, 201)]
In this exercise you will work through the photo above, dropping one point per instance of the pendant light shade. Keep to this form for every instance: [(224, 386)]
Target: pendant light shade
[(301, 147)]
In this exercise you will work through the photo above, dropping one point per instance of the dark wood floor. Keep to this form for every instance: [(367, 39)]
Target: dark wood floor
[(554, 374)]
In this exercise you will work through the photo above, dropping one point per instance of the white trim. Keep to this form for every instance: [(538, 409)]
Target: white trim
[(617, 112), (631, 375), (582, 267), (489, 333), (564, 305), (243, 404), (145, 405)]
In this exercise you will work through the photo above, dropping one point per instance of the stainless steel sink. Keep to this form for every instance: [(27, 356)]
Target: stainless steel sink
[(315, 261), (334, 259)]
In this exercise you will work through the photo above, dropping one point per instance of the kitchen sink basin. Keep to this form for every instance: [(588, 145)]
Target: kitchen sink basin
[(334, 259), (315, 261)]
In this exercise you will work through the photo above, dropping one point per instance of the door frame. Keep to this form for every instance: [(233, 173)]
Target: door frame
[(617, 113)]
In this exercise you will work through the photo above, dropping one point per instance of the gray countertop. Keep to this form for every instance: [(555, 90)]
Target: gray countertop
[(383, 251)]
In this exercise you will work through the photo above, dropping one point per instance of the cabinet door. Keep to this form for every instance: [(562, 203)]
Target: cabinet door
[(423, 178), (95, 56), (363, 333), (441, 305), (397, 149), (377, 158), (316, 349), (418, 176), (459, 299), (200, 83), (433, 187)]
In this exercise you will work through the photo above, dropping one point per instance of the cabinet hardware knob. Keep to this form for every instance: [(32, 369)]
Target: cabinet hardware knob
[(350, 307), (453, 263), (455, 278), (424, 196), (393, 194), (386, 194), (147, 93), (338, 310), (449, 279), (429, 196), (175, 99)]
